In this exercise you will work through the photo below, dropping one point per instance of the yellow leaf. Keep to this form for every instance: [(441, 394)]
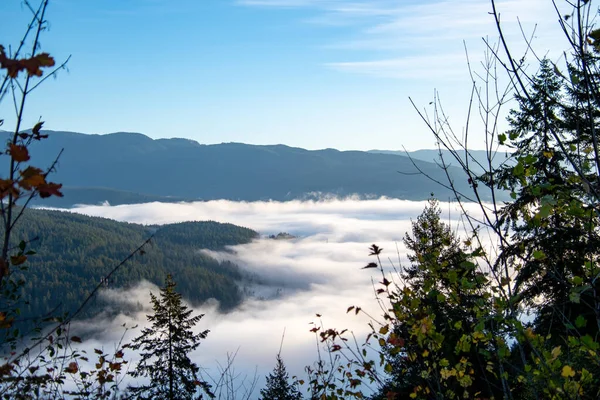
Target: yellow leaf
[(567, 372), (556, 352)]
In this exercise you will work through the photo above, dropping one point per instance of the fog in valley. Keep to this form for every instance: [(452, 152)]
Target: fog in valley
[(318, 272)]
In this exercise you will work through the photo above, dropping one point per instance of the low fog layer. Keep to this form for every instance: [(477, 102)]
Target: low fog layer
[(317, 272)]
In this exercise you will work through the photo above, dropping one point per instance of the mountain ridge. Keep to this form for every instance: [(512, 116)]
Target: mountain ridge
[(185, 169)]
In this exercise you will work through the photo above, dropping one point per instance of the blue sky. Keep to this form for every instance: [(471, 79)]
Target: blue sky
[(306, 73)]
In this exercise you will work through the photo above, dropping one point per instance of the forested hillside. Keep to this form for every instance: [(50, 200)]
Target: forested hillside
[(128, 167), (75, 252)]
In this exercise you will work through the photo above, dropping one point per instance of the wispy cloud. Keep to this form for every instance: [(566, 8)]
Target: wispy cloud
[(401, 39), (410, 67)]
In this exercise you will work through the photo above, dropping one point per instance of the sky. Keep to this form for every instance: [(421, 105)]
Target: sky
[(319, 272), (306, 73)]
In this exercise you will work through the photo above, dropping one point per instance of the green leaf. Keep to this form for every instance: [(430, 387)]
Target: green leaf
[(519, 169), (544, 211), (580, 322), (575, 297), (577, 280)]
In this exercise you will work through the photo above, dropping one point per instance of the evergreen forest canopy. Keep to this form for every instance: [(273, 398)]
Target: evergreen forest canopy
[(75, 252)]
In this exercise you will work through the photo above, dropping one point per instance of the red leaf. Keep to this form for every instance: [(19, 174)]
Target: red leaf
[(50, 189), (31, 178), (32, 65), (72, 368), (18, 153)]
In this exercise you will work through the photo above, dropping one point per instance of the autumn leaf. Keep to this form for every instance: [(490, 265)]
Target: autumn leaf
[(31, 178), (18, 153), (6, 369), (32, 65), (50, 189), (115, 366), (18, 260), (396, 341), (71, 368)]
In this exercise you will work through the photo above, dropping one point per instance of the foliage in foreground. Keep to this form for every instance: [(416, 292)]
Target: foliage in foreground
[(511, 310), (454, 322)]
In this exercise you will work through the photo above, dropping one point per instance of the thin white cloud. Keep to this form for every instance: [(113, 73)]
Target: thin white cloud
[(411, 33), (414, 67)]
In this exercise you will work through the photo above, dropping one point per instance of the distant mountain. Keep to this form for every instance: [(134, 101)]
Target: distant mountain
[(75, 252), (130, 166), (477, 159)]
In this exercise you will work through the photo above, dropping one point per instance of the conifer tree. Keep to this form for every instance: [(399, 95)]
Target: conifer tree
[(278, 386), (164, 350), (551, 226), (441, 302)]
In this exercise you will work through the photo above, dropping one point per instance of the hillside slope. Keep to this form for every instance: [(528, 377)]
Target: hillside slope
[(183, 169), (76, 252)]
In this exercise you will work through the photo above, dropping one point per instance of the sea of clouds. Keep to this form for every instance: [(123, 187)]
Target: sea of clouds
[(319, 272)]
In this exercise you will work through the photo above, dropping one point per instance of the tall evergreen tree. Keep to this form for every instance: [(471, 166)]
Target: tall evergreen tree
[(551, 225), (443, 300), (278, 386), (164, 348)]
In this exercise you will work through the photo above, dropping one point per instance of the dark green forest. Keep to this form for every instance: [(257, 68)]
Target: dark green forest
[(75, 252)]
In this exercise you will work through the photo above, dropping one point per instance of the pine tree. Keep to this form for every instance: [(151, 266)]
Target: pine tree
[(442, 300), (278, 386), (164, 348), (552, 228)]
